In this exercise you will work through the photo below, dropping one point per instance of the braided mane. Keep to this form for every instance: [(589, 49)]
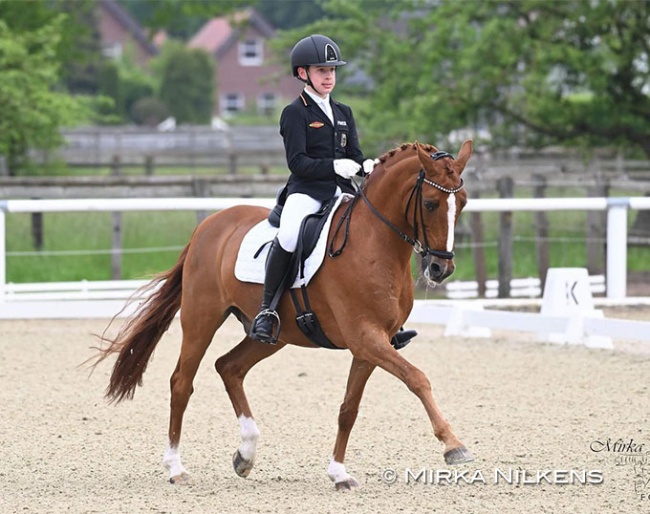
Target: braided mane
[(402, 151)]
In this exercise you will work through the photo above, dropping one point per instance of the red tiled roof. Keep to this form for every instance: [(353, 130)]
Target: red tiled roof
[(212, 35), (219, 32)]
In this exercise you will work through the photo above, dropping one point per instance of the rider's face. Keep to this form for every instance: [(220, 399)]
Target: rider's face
[(323, 78)]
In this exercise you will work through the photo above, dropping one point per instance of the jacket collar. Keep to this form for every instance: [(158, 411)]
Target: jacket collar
[(311, 104)]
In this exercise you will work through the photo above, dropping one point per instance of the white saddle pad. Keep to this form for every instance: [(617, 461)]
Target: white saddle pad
[(251, 269)]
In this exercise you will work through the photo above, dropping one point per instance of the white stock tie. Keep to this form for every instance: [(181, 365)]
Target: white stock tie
[(327, 109)]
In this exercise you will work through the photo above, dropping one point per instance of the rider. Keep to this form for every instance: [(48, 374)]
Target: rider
[(323, 153)]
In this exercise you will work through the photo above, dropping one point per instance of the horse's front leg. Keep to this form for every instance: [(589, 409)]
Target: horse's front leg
[(360, 372), (387, 358), (233, 367)]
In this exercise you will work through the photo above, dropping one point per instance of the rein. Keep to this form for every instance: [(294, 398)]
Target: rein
[(416, 195)]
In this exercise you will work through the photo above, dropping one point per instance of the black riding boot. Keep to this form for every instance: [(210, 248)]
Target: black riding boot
[(402, 338), (277, 266)]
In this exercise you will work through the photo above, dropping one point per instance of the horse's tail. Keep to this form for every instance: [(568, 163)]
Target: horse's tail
[(138, 337)]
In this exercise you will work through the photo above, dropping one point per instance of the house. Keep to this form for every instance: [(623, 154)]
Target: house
[(246, 77), (121, 34)]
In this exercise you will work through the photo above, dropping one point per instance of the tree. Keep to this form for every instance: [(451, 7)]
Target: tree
[(78, 48), (31, 109), (287, 15), (187, 83), (534, 72), (179, 18)]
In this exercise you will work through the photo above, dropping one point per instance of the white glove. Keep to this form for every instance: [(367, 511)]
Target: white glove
[(346, 168), (368, 165)]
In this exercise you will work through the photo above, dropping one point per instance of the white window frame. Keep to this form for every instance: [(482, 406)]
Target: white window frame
[(251, 52), (113, 50), (232, 103), (267, 102)]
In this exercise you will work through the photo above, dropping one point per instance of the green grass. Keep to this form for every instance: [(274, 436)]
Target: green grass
[(77, 246), (153, 240)]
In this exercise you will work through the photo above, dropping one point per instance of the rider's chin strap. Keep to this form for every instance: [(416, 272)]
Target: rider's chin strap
[(310, 83)]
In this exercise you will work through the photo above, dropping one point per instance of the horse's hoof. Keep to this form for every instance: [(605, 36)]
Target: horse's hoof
[(347, 485), (242, 466), (458, 456), (182, 479)]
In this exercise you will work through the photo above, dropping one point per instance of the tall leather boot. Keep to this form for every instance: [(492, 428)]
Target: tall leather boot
[(402, 338), (277, 266)]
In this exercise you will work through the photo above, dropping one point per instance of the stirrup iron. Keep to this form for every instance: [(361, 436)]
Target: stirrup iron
[(262, 314)]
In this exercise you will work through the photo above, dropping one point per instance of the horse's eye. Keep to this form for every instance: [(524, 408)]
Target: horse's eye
[(430, 205)]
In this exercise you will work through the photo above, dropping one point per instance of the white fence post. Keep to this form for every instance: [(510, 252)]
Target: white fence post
[(3, 252), (617, 247)]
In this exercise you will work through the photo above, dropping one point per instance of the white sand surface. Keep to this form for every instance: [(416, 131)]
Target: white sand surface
[(520, 407)]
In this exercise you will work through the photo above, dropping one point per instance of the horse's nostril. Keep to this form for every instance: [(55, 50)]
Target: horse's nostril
[(436, 269)]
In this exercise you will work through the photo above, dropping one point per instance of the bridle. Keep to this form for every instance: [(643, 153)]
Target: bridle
[(418, 214)]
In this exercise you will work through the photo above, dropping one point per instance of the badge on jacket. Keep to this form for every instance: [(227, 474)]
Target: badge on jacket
[(344, 139), (316, 124)]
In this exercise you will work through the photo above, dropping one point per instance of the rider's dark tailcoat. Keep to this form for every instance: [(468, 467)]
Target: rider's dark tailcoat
[(312, 143)]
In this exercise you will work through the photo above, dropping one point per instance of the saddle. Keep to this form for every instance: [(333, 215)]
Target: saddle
[(310, 229)]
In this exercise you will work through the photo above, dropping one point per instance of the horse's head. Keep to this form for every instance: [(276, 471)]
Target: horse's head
[(434, 205), (421, 193)]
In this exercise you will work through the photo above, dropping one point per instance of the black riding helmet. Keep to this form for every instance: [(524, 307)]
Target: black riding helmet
[(315, 50)]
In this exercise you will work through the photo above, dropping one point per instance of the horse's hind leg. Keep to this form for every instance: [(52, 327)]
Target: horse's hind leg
[(360, 372), (199, 327), (233, 367)]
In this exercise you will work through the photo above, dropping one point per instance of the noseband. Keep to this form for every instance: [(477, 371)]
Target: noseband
[(418, 213)]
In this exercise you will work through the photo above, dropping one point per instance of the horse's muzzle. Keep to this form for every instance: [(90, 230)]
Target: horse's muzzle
[(436, 269)]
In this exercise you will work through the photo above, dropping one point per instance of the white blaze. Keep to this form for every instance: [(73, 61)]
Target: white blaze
[(451, 221)]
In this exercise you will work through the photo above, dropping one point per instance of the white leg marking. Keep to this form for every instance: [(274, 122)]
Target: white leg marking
[(336, 472), (451, 221), (249, 436), (172, 461)]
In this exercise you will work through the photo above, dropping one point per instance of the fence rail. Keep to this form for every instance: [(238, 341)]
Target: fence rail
[(616, 208)]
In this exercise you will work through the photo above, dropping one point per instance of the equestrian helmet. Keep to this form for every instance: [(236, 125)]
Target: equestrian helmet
[(315, 50)]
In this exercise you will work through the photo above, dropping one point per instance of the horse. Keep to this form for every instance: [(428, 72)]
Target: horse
[(362, 294)]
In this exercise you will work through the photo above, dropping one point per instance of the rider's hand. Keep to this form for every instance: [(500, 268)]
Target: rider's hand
[(346, 168), (368, 165)]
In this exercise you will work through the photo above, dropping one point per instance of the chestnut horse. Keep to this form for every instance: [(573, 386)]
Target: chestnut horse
[(362, 297)]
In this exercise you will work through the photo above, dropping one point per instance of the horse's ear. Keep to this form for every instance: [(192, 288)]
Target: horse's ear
[(464, 155), (423, 154)]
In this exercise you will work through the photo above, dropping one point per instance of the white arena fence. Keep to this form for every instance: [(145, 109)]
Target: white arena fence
[(106, 298)]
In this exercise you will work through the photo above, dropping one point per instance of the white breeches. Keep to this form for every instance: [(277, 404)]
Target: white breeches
[(296, 207)]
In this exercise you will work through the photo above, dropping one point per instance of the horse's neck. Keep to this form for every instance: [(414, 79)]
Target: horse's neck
[(387, 191), (389, 186)]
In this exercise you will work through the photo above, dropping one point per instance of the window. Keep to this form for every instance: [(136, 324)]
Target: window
[(232, 103), (250, 52), (112, 50), (266, 103)]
